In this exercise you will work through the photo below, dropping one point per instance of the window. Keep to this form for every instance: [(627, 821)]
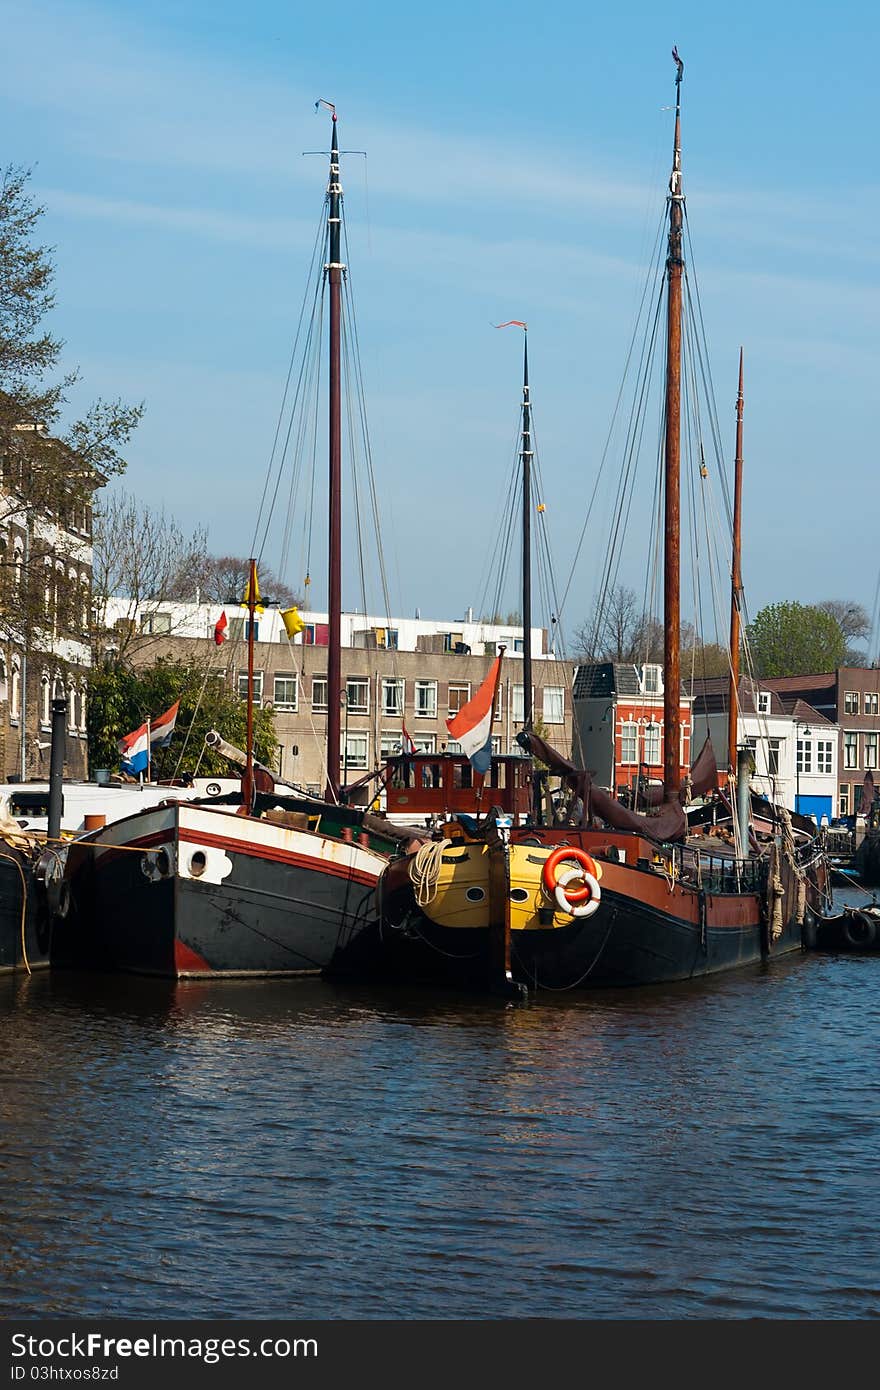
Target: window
[(258, 686), (391, 639), (286, 693), (390, 746), (354, 758), (319, 694), (850, 702), (843, 800), (427, 743), (629, 742), (651, 680), (453, 745), (156, 623), (773, 746), (871, 702), (45, 696), (554, 704), (239, 629), (496, 746), (763, 702), (426, 699), (823, 754), (850, 750), (517, 713), (357, 695), (82, 710), (458, 696), (652, 744), (15, 697), (870, 750), (393, 692), (804, 755), (519, 644), (4, 684)]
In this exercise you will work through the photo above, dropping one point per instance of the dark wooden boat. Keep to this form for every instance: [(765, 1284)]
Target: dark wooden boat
[(614, 897), (270, 885)]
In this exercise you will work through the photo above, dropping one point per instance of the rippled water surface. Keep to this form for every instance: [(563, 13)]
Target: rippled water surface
[(306, 1150)]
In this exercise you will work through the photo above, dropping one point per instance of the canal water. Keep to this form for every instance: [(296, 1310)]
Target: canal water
[(301, 1150)]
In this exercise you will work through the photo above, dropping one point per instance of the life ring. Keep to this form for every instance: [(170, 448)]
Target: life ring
[(552, 882), (859, 931), (565, 901), (552, 862)]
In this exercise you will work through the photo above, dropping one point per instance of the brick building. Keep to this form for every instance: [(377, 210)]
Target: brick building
[(618, 723), (850, 698)]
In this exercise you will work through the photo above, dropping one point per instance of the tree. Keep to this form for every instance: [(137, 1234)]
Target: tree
[(791, 639), (139, 554), (222, 579), (120, 699), (620, 630), (45, 469), (854, 623)]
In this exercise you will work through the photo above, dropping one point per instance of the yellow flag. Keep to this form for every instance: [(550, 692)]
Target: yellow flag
[(258, 602), (293, 623)]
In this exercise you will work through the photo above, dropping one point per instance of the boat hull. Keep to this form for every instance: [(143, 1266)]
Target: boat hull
[(186, 891), (24, 943)]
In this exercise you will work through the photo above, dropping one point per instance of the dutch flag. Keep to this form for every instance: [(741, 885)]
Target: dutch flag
[(472, 726), (162, 729), (134, 751)]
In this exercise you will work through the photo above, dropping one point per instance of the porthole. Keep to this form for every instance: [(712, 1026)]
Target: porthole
[(163, 863), (518, 895), (475, 895), (213, 789), (198, 863)]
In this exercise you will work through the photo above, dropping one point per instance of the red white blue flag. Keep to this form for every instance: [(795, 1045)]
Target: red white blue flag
[(134, 751), (472, 725), (163, 727), (406, 744)]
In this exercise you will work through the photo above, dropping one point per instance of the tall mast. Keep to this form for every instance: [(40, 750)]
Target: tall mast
[(736, 577), (672, 518), (248, 781), (526, 456), (334, 270)]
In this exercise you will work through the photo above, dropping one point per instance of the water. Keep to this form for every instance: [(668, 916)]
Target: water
[(304, 1150)]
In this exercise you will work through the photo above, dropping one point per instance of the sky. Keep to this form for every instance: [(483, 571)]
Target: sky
[(517, 163)]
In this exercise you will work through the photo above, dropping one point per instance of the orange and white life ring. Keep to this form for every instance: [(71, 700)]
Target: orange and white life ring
[(577, 902)]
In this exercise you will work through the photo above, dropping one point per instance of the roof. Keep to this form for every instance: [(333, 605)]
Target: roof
[(599, 680), (712, 695)]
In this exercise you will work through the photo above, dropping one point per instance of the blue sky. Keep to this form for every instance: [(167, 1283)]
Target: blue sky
[(517, 160)]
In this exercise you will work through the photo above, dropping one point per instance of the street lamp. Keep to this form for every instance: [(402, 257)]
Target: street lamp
[(798, 759)]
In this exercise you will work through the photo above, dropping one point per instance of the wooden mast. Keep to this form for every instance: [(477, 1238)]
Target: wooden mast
[(736, 581), (672, 516), (527, 537), (334, 270), (248, 780)]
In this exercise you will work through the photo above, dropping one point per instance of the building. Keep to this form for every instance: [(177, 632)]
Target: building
[(794, 747), (45, 601), (850, 698), (618, 723), (411, 672)]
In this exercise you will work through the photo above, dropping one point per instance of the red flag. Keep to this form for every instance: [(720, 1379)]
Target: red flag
[(220, 633)]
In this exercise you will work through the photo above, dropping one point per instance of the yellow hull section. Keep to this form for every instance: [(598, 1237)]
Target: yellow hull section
[(462, 890)]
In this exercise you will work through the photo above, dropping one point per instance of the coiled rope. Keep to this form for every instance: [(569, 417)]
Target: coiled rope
[(424, 871)]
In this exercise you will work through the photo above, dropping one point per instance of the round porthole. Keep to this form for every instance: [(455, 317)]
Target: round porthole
[(518, 895), (475, 895), (198, 863), (213, 789), (163, 863)]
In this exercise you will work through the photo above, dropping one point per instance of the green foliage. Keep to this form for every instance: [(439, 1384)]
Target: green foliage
[(793, 639), (120, 699)]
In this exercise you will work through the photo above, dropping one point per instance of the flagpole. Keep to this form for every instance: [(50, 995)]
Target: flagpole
[(149, 749), (248, 785)]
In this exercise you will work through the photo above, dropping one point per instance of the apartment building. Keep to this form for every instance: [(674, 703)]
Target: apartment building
[(850, 698)]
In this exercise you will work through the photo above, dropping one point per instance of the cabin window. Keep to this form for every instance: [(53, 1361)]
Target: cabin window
[(554, 704), (285, 696), (843, 799), (357, 695), (652, 744), (871, 702), (629, 742), (426, 699), (429, 776), (851, 750), (393, 692), (870, 750), (823, 754), (354, 758), (319, 694), (258, 686), (850, 702), (458, 696), (462, 775), (805, 755)]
